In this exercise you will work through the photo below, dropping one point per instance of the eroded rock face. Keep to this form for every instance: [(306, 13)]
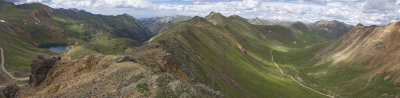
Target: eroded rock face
[(40, 67), (176, 85), (11, 91), (158, 57)]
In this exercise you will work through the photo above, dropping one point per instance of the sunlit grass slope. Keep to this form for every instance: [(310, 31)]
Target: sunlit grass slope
[(234, 57)]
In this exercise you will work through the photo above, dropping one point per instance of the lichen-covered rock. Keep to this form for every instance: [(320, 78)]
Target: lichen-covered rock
[(11, 91), (39, 69), (89, 77), (176, 85)]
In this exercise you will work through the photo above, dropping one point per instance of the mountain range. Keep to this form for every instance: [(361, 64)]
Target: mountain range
[(183, 56), (157, 23)]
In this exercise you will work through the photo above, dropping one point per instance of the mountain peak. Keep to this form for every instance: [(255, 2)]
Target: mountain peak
[(335, 20), (327, 22), (216, 18), (78, 10), (236, 16), (335, 27), (395, 23), (33, 6), (196, 19), (125, 15), (359, 25), (332, 24), (4, 3), (300, 26), (214, 14)]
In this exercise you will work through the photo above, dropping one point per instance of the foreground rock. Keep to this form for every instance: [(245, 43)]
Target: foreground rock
[(111, 76), (11, 91), (40, 67)]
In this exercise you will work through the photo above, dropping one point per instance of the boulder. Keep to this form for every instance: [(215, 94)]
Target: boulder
[(11, 91), (175, 86), (40, 67), (207, 90)]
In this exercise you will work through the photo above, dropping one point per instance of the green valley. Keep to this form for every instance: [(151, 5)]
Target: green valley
[(213, 56)]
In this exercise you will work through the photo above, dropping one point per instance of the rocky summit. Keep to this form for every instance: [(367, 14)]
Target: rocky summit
[(106, 76)]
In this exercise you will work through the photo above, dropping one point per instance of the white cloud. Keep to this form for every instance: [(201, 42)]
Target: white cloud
[(381, 6), (92, 3), (318, 1), (349, 11)]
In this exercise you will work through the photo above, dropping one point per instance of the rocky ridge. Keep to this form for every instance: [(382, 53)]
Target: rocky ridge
[(108, 76)]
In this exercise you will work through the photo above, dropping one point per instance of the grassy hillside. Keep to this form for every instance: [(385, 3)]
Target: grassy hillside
[(232, 55), (362, 63), (27, 26)]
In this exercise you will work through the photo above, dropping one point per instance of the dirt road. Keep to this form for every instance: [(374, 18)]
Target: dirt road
[(301, 84), (5, 72)]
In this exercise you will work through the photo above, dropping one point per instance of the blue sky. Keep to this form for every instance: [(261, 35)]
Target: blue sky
[(368, 12)]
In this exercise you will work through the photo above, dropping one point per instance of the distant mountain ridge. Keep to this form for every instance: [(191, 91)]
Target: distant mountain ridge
[(157, 23), (214, 56), (228, 53), (26, 26), (370, 54), (334, 28)]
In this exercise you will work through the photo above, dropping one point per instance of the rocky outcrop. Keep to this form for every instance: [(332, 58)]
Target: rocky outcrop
[(11, 91), (39, 69), (159, 56), (205, 89), (111, 76)]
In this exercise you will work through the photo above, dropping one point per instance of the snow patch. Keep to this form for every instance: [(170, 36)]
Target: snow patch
[(3, 21)]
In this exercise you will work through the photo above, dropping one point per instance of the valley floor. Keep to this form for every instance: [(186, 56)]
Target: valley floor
[(291, 77)]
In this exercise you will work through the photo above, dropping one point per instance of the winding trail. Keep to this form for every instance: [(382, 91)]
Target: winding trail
[(4, 71), (69, 51), (301, 84)]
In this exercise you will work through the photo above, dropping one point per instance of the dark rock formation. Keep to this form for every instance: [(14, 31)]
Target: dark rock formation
[(40, 67), (11, 91)]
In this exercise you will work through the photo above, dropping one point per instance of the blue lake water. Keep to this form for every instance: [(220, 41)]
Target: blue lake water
[(54, 47)]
